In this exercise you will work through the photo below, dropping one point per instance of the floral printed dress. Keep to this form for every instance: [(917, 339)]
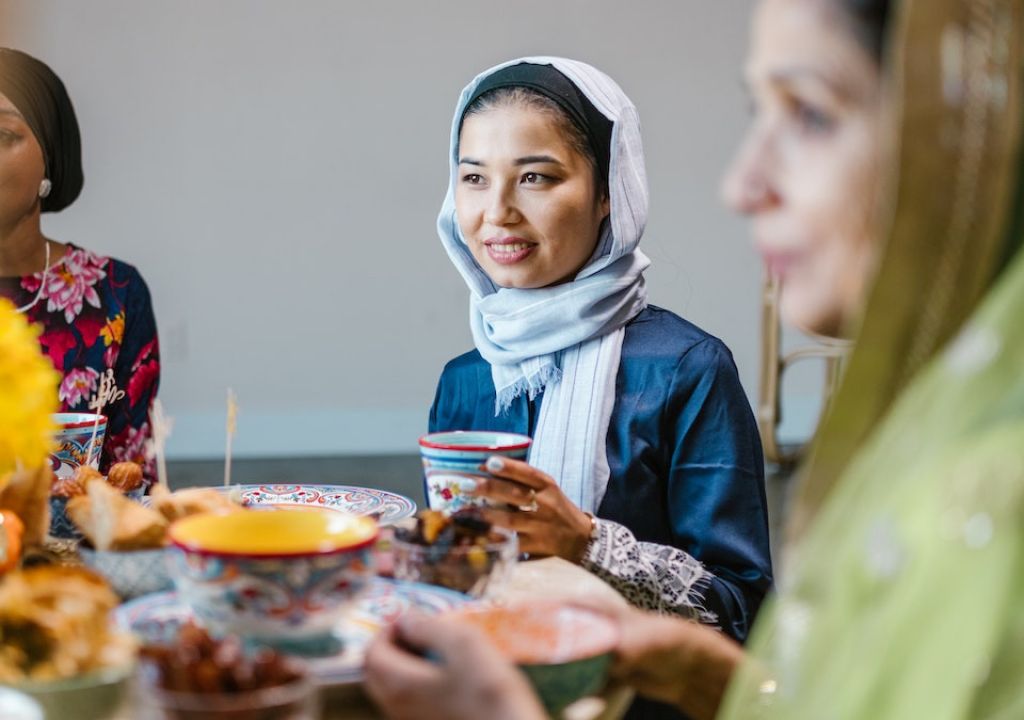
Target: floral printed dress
[(96, 316)]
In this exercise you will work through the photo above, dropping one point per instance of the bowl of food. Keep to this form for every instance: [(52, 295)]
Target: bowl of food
[(98, 695), (126, 541), (462, 551), (564, 650), (60, 647), (282, 577), (198, 677)]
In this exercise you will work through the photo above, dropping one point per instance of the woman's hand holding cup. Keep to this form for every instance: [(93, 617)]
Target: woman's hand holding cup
[(522, 498)]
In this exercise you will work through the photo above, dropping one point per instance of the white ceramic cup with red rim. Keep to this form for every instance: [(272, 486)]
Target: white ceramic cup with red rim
[(452, 463)]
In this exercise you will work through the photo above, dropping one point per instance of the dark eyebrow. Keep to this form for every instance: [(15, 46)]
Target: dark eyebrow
[(528, 160), (531, 159)]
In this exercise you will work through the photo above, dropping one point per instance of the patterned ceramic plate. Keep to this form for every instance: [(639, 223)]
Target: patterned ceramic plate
[(157, 617), (388, 507)]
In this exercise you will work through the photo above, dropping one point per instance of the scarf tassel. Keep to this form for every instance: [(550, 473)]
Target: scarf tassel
[(532, 386)]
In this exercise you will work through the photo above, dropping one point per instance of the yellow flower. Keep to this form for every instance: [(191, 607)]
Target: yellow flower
[(113, 331), (28, 394)]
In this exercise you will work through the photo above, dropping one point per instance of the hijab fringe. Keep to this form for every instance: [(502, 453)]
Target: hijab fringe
[(532, 386)]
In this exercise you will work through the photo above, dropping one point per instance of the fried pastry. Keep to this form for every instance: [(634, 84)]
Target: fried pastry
[(125, 476), (54, 623), (85, 473), (191, 501), (113, 522)]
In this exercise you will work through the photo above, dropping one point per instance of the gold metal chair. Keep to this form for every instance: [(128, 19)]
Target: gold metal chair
[(774, 365)]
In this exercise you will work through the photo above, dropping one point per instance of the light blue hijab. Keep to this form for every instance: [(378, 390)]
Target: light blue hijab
[(565, 340)]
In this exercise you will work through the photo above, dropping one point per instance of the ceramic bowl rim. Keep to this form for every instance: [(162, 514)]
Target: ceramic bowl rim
[(516, 441), (98, 677), (195, 548), (86, 548)]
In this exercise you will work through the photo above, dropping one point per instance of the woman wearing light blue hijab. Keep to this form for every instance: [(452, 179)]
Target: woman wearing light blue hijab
[(646, 466)]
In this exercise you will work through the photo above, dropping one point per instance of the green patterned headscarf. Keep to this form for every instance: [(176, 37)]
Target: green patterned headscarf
[(905, 590), (956, 115)]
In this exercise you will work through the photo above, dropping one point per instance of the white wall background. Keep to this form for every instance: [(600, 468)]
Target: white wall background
[(275, 168)]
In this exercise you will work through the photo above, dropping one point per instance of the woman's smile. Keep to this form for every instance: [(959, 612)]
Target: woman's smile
[(509, 250)]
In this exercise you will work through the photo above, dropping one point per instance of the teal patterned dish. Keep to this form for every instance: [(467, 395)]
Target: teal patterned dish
[(564, 650), (98, 695)]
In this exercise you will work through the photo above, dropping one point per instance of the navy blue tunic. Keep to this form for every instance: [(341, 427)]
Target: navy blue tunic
[(683, 451)]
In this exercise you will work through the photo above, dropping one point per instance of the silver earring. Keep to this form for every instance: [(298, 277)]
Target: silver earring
[(44, 188)]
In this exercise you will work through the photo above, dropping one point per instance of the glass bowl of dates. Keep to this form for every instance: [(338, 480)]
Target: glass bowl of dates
[(200, 677), (461, 551)]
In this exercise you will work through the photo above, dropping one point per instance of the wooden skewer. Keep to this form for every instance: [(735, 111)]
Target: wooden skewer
[(232, 424)]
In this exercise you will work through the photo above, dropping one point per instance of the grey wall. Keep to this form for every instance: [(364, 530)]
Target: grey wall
[(275, 168)]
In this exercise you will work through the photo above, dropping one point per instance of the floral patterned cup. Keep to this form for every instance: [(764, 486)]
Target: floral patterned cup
[(452, 462), (76, 444)]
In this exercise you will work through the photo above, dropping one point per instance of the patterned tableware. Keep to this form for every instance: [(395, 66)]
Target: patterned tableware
[(156, 618), (565, 651), (95, 695), (132, 573), (387, 508), (281, 578), (477, 570), (75, 443), (452, 462)]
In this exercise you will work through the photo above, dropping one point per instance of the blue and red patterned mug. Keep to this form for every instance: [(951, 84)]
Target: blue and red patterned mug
[(452, 463)]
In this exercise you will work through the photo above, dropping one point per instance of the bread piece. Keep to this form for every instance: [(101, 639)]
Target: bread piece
[(191, 501), (113, 522), (55, 624), (85, 473), (125, 476)]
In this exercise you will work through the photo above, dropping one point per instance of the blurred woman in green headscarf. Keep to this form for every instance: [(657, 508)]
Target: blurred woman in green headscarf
[(883, 176)]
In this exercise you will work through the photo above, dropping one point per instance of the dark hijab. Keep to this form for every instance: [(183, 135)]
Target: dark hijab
[(549, 82), (40, 97)]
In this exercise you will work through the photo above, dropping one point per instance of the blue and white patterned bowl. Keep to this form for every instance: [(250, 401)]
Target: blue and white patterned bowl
[(281, 578), (131, 573), (452, 461)]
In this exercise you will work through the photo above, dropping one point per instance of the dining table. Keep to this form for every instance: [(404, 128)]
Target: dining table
[(530, 580)]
